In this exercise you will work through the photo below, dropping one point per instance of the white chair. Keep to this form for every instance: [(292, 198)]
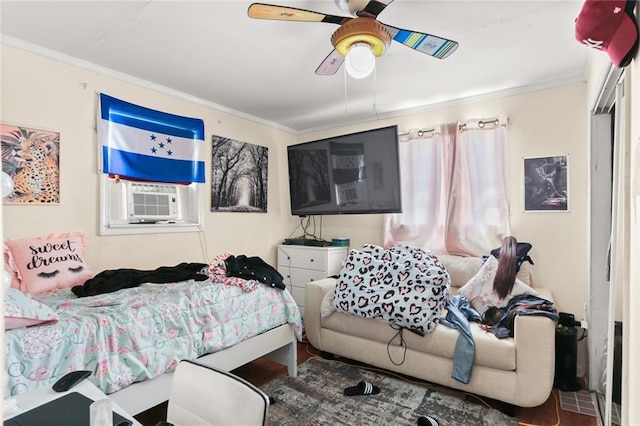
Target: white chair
[(202, 395)]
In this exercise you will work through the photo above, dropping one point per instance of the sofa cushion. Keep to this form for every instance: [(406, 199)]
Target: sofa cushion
[(490, 351), (462, 268)]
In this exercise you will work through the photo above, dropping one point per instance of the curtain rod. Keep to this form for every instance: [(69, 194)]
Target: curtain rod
[(418, 132), (481, 123)]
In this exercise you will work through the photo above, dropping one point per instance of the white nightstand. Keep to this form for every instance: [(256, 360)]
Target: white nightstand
[(299, 265)]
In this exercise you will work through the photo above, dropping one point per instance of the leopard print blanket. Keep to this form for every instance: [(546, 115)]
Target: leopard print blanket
[(402, 285)]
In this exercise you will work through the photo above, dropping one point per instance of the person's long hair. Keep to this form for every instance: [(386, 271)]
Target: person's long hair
[(506, 273)]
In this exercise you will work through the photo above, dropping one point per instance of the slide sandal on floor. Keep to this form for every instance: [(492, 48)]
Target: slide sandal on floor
[(362, 388), (427, 421)]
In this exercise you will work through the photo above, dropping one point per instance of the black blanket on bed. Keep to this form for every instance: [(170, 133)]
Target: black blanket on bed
[(253, 268), (116, 279)]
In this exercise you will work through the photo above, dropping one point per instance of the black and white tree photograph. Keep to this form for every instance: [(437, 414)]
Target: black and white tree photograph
[(545, 184), (238, 176)]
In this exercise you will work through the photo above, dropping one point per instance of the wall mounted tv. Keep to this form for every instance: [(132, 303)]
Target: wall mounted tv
[(354, 173)]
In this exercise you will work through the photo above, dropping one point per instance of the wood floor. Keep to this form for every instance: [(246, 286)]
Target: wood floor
[(262, 371)]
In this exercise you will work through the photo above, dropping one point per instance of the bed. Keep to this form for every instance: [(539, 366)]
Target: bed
[(132, 339)]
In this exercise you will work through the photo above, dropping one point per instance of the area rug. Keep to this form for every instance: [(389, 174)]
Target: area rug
[(316, 397)]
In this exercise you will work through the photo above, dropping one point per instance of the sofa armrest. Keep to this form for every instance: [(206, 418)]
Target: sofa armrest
[(534, 338), (314, 293), (545, 293)]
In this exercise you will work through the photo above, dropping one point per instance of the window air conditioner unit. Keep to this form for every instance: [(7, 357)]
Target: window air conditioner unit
[(152, 202)]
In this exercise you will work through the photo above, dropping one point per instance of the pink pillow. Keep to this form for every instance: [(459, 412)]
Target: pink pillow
[(48, 263)]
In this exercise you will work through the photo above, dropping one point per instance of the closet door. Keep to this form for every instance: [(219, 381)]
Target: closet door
[(609, 237)]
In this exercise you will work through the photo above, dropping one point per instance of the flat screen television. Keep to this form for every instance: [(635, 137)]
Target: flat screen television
[(353, 173)]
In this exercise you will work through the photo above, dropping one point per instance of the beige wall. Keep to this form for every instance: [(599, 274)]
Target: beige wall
[(46, 94), (43, 93), (542, 123), (49, 94)]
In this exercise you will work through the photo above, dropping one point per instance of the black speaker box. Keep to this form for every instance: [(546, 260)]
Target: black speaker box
[(566, 359)]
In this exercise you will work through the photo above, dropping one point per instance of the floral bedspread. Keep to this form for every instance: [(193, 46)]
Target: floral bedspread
[(140, 333)]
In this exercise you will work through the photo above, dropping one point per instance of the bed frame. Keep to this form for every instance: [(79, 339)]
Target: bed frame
[(278, 344)]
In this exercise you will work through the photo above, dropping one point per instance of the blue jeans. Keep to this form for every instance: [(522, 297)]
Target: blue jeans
[(458, 315)]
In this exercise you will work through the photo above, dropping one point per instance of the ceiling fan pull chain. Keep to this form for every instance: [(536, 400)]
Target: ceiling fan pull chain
[(345, 92), (375, 107)]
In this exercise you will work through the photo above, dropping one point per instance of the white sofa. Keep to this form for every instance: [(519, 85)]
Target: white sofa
[(517, 371)]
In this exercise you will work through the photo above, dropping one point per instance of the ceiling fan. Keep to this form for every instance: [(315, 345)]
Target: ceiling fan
[(358, 39)]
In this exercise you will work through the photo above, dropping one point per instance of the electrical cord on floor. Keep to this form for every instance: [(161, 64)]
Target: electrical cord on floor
[(557, 405), (403, 344), (425, 383), (369, 368)]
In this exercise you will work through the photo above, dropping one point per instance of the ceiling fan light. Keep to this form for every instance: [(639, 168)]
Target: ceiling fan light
[(360, 60), (352, 7)]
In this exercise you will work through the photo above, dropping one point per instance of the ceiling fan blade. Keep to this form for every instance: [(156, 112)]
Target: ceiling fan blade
[(374, 8), (435, 46), (331, 64), (284, 13)]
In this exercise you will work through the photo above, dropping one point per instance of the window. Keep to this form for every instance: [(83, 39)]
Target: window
[(454, 189), (133, 207), (143, 144)]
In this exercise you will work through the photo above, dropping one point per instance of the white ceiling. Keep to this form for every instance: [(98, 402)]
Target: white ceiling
[(212, 51)]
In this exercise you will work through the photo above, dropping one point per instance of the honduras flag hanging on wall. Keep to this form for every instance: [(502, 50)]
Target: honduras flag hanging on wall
[(144, 144)]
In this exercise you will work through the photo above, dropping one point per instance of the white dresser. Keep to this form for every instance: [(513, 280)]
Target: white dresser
[(299, 265)]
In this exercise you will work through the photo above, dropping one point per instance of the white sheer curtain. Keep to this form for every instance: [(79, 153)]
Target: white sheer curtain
[(454, 189), (425, 171), (479, 202)]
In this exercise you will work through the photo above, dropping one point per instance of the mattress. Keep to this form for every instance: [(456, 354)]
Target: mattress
[(140, 333)]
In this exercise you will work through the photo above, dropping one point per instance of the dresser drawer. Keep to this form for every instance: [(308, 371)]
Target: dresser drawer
[(285, 271), (300, 265), (305, 257), (300, 277), (298, 295)]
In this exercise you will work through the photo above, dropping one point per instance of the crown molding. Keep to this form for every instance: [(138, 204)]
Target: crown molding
[(464, 100), (491, 95), (108, 72)]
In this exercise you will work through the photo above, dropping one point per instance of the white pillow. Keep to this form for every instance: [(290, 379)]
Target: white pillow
[(326, 307), (479, 289)]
